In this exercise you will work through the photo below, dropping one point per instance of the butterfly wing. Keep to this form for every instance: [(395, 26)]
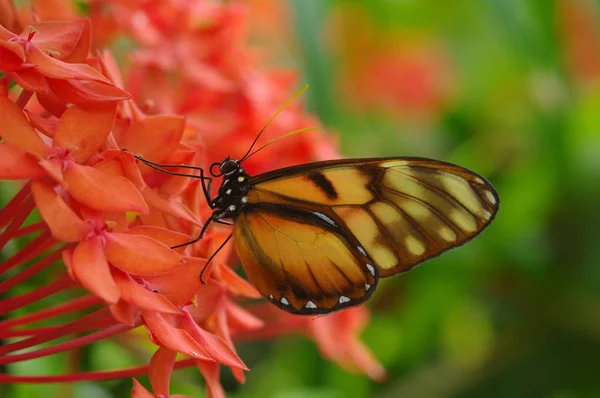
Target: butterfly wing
[(300, 259), (390, 213)]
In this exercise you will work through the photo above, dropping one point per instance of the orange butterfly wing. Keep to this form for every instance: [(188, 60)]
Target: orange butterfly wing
[(387, 214), (301, 261)]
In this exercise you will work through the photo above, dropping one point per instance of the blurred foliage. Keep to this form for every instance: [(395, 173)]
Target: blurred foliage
[(497, 86), (514, 313)]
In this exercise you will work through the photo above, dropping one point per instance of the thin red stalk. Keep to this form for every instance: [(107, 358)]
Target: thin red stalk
[(24, 98), (26, 207), (31, 271), (66, 346), (79, 325), (16, 302), (38, 226), (7, 213), (45, 330), (90, 376), (32, 249), (73, 305)]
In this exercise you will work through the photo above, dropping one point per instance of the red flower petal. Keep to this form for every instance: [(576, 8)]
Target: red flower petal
[(85, 92), (133, 293), (56, 69), (16, 164), (337, 337), (67, 256), (160, 369), (91, 269), (64, 224), (51, 103), (215, 346), (176, 339), (139, 391), (236, 284), (102, 191), (166, 236), (53, 168), (169, 206), (165, 132), (240, 319), (18, 131), (66, 40), (12, 56), (140, 255), (128, 166), (125, 312), (175, 185), (180, 285), (32, 80), (44, 125), (210, 371), (84, 129)]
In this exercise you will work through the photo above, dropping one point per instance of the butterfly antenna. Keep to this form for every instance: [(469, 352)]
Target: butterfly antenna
[(280, 138), (285, 105)]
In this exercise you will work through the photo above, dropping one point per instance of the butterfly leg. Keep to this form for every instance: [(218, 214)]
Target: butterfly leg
[(213, 256), (206, 187), (203, 230)]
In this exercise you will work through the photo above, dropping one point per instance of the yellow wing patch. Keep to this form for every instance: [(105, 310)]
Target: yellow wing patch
[(402, 211)]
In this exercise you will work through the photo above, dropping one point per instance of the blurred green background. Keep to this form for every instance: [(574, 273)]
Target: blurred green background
[(508, 88)]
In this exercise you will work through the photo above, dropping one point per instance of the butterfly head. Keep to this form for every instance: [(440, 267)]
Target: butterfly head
[(232, 195), (226, 167)]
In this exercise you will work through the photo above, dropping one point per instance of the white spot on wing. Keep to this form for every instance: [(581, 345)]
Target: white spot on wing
[(284, 301), (244, 199), (487, 215), (325, 218), (228, 192), (271, 297), (371, 269), (367, 286), (232, 207), (310, 304), (344, 299), (490, 196), (361, 250)]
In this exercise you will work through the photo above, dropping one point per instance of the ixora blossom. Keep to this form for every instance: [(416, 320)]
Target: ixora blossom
[(117, 225)]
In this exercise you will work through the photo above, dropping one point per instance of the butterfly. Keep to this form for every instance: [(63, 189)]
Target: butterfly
[(315, 238)]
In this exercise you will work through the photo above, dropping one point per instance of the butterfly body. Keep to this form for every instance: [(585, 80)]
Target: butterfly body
[(315, 238)]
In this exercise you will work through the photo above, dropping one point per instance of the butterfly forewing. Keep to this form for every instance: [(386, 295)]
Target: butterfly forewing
[(401, 211)]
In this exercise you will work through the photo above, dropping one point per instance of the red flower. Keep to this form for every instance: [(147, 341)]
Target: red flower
[(114, 221)]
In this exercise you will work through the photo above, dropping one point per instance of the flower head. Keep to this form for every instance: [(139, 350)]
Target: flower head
[(120, 226)]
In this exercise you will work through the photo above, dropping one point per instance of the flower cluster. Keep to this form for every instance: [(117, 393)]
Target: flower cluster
[(191, 92)]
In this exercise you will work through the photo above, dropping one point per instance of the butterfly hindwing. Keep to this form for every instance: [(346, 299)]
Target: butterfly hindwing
[(300, 259), (401, 211)]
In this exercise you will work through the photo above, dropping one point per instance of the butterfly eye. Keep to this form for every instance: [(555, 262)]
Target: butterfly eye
[(228, 166)]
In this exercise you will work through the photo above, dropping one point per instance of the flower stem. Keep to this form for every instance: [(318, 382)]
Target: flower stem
[(16, 302), (89, 376), (66, 346), (42, 242), (87, 322), (7, 213), (24, 98), (61, 309), (31, 271), (17, 219)]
